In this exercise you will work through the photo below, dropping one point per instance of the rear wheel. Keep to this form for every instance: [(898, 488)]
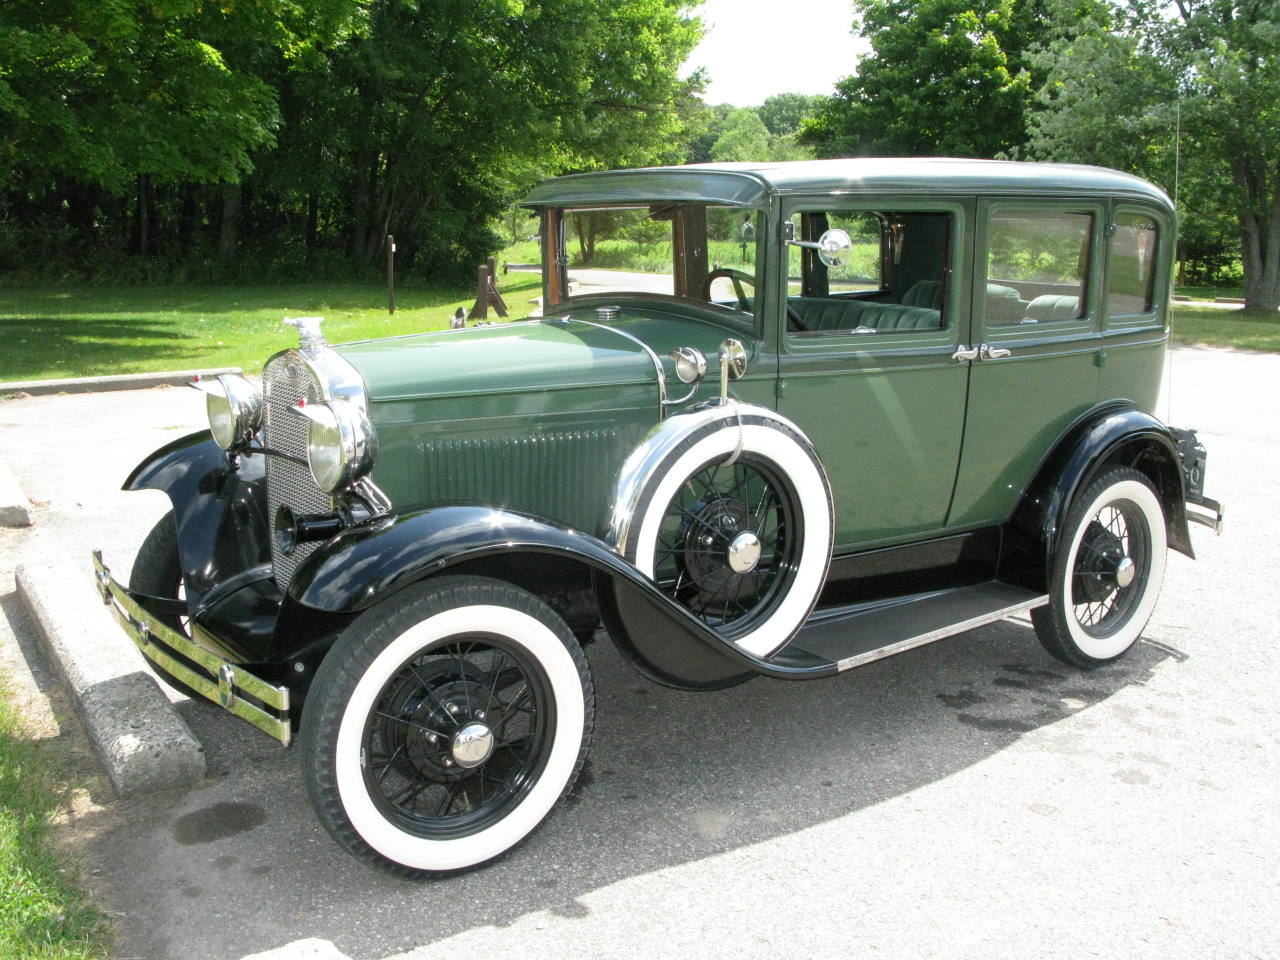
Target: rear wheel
[(445, 724), (1107, 573)]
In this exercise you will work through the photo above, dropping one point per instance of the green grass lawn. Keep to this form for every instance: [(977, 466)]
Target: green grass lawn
[(42, 914), (1215, 327), (1209, 293), (75, 332)]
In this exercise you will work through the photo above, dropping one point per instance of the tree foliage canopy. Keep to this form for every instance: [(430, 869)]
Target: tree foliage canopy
[(271, 126), (946, 77), (1115, 95)]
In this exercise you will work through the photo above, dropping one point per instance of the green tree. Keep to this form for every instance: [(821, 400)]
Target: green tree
[(743, 137), (783, 113), (944, 77), (1113, 95)]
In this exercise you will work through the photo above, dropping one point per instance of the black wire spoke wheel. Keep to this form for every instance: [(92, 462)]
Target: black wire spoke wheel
[(1110, 568), (729, 542), (457, 737), (445, 724), (1106, 570)]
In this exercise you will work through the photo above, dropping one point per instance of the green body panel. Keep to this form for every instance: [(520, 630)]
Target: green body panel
[(1132, 367), (888, 431), (1018, 410), (535, 416), (539, 415)]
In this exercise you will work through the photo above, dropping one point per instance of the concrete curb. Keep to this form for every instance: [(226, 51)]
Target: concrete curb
[(142, 743), (15, 508), (127, 381)]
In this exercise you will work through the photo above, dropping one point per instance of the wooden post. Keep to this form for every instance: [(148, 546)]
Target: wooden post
[(487, 293)]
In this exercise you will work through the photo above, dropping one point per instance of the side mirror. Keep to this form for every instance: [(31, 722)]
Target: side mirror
[(834, 247)]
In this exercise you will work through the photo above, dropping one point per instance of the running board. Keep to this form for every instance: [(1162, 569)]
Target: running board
[(861, 635)]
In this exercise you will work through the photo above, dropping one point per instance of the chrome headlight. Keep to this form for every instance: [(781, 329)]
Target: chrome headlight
[(341, 444), (234, 406)]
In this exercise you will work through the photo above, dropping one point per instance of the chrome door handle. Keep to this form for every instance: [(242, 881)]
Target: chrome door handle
[(964, 354), (994, 353)]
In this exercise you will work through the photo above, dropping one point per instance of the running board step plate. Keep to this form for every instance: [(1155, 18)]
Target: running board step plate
[(864, 635)]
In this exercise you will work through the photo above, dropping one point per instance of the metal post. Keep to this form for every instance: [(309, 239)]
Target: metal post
[(391, 274)]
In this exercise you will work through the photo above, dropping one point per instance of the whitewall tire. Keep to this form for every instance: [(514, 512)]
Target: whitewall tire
[(736, 525), (445, 724), (1107, 572)]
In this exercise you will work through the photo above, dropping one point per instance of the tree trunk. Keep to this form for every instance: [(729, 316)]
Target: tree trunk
[(187, 220), (229, 237), (144, 229), (360, 208), (313, 215), (1259, 234)]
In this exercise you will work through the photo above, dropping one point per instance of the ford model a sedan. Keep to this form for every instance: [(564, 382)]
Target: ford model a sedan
[(774, 420)]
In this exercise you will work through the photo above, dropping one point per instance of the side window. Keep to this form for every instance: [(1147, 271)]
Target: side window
[(1131, 276), (860, 274), (1036, 266), (893, 281)]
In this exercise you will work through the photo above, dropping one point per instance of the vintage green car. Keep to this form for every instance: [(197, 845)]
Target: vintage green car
[(774, 420)]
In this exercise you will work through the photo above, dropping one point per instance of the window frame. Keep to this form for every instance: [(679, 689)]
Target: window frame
[(955, 304), (1160, 268), (1097, 209)]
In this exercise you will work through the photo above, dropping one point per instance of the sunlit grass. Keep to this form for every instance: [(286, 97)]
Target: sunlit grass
[(92, 331), (43, 916), (1241, 329)]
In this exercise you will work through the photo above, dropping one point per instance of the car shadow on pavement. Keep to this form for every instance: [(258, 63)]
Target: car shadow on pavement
[(241, 865)]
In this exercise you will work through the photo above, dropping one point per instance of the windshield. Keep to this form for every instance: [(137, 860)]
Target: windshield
[(696, 252)]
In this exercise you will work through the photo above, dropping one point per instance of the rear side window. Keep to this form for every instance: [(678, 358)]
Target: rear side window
[(1037, 262), (1131, 278)]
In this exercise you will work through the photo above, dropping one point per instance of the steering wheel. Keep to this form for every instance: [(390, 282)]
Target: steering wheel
[(736, 276)]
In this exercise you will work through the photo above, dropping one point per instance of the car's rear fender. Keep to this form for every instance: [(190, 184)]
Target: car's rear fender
[(1116, 434), (220, 511)]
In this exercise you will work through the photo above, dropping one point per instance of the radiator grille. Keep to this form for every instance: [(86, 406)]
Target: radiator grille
[(284, 381)]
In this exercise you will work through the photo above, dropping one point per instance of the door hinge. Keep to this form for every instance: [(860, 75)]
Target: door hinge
[(780, 388)]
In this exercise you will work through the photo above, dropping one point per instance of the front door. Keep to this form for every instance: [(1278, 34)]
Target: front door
[(866, 363)]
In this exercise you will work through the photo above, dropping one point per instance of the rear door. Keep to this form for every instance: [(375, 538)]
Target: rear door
[(1036, 292)]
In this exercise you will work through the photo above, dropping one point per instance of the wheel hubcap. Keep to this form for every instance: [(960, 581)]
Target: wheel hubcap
[(744, 552), (472, 745), (1125, 571)]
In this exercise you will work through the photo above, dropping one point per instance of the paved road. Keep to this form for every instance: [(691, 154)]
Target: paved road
[(970, 799)]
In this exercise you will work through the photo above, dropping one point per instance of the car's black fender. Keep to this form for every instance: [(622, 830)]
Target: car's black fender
[(365, 564), (220, 510), (1113, 434)]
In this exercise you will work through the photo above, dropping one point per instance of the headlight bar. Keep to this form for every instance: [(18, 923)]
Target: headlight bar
[(341, 444), (234, 407)]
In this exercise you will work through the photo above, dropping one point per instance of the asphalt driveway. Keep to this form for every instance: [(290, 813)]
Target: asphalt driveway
[(973, 798)]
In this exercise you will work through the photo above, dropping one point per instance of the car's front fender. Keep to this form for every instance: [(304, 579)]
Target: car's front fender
[(220, 511), (364, 565)]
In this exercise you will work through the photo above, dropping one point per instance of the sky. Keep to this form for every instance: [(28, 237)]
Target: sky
[(753, 49)]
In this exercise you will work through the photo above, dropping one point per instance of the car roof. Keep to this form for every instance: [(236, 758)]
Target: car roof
[(752, 184)]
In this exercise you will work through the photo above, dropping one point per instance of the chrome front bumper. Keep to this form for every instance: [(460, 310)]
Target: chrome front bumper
[(212, 676)]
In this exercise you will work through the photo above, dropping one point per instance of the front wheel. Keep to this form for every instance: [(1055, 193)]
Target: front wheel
[(444, 725), (1107, 572), (736, 526)]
